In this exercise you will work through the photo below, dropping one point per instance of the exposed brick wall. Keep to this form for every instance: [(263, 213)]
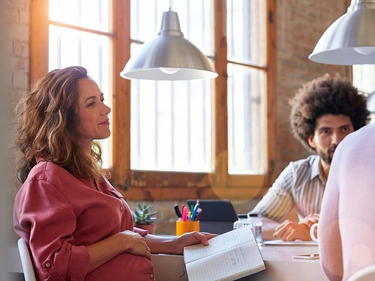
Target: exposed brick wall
[(11, 68), (300, 24), (15, 73), (18, 19)]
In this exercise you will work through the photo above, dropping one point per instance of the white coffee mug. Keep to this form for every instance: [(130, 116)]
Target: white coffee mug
[(313, 232)]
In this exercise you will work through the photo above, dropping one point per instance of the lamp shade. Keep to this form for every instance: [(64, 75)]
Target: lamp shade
[(350, 39), (169, 56)]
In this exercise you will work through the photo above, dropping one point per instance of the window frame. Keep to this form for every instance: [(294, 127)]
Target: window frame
[(154, 185)]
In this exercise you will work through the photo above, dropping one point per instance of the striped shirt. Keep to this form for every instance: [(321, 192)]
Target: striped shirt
[(300, 185)]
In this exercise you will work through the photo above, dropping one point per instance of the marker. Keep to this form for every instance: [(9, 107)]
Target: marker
[(177, 211), (184, 213)]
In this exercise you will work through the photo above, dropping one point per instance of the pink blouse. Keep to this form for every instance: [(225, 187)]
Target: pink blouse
[(59, 214)]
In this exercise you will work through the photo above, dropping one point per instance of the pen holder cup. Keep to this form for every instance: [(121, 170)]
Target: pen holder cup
[(187, 226)]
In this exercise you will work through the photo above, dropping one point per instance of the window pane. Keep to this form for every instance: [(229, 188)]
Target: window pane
[(246, 119), (196, 20), (145, 23), (91, 14), (171, 122), (195, 17), (364, 77), (68, 47), (364, 80), (171, 126), (246, 31)]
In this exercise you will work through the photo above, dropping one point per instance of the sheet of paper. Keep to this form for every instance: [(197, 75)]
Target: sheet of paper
[(219, 243), (289, 243), (239, 261), (229, 256)]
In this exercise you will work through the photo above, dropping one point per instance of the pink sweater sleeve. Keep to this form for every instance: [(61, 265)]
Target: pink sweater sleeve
[(347, 224)]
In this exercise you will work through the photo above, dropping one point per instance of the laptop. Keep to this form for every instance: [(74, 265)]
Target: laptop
[(217, 215)]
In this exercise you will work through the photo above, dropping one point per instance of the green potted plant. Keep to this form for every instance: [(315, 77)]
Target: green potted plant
[(144, 218)]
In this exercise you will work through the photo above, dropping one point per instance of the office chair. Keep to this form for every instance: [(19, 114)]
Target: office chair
[(27, 264), (365, 274)]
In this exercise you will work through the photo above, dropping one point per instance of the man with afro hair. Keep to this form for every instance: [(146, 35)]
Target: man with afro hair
[(324, 111)]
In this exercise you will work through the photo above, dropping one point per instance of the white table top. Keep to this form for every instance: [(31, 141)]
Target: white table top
[(280, 265), (277, 250)]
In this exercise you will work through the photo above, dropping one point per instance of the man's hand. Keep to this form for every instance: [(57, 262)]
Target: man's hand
[(291, 230), (310, 220)]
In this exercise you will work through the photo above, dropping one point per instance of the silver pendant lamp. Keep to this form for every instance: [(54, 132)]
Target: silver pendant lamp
[(351, 38), (169, 56)]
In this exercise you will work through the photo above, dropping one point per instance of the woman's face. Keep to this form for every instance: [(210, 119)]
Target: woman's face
[(93, 121)]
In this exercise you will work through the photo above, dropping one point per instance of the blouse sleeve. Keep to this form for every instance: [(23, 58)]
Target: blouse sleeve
[(51, 221)]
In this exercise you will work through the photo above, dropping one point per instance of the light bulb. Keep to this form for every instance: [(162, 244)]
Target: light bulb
[(365, 50), (169, 70)]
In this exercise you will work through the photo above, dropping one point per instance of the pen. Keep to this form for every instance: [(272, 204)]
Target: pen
[(194, 212), (177, 211), (199, 214)]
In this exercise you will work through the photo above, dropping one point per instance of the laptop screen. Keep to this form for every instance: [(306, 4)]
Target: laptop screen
[(217, 215)]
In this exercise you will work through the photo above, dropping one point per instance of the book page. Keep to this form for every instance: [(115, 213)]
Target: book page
[(236, 262), (219, 243)]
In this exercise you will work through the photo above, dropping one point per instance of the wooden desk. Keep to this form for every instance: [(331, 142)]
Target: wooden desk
[(278, 260)]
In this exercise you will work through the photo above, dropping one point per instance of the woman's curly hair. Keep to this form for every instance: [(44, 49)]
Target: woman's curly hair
[(326, 95), (47, 122)]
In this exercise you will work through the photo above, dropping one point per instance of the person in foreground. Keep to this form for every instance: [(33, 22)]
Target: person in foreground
[(347, 226), (324, 111), (78, 227)]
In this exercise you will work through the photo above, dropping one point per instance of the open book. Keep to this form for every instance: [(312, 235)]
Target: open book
[(230, 256)]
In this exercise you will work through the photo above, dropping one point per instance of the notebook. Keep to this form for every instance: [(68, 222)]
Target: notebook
[(217, 215), (229, 256)]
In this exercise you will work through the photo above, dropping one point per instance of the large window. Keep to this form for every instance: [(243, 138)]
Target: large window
[(172, 140), (364, 77), (79, 35), (364, 80)]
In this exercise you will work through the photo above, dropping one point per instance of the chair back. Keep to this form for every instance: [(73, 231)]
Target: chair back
[(365, 274), (27, 264)]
